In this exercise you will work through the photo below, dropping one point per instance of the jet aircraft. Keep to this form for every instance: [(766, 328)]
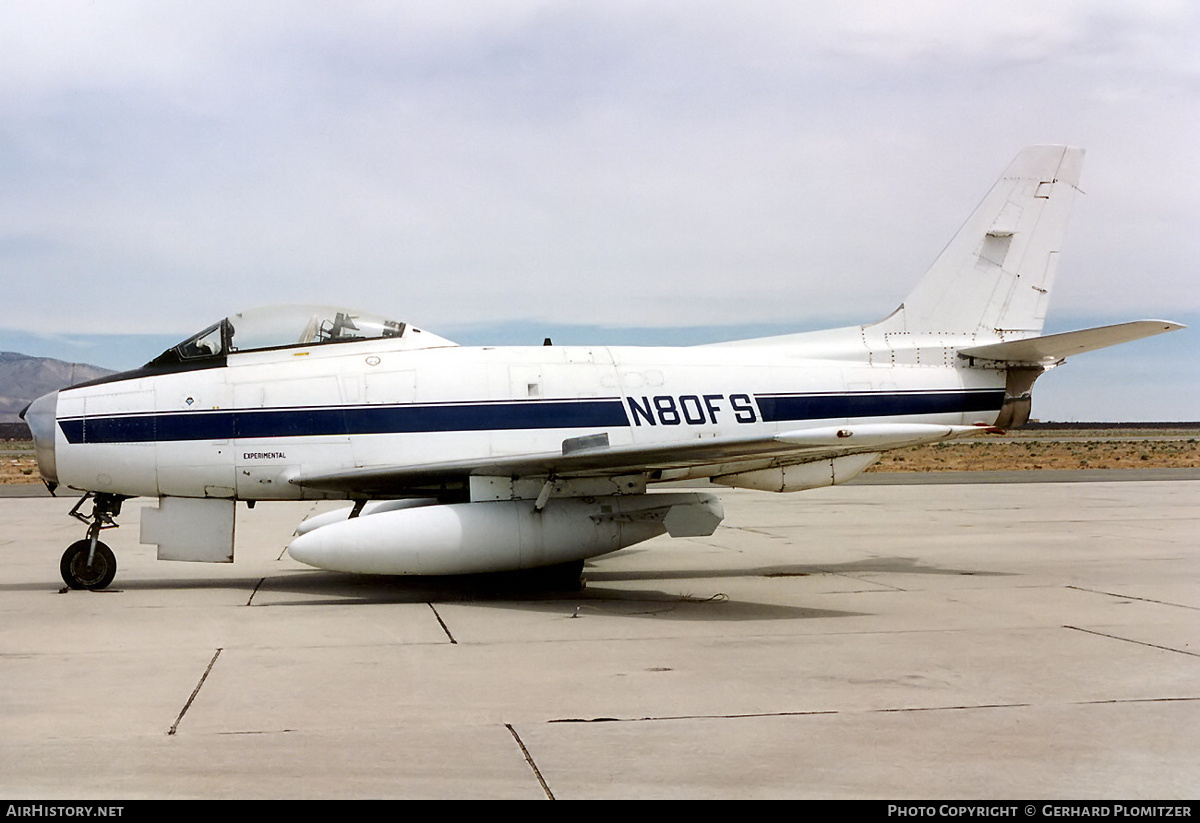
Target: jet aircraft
[(484, 459)]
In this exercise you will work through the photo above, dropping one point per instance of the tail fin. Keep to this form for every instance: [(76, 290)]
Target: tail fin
[(993, 281)]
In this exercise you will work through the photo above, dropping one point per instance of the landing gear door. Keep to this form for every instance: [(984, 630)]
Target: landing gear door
[(190, 529)]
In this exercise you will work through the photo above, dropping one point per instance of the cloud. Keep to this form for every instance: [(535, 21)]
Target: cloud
[(676, 165)]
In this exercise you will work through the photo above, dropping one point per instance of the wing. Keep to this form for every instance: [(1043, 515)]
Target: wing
[(591, 456)]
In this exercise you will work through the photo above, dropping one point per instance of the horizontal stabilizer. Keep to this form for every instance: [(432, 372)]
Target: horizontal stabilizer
[(1052, 348)]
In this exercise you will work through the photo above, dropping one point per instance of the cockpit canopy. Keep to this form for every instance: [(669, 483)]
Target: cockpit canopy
[(278, 327)]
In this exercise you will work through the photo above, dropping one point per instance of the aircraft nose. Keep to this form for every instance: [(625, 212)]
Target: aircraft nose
[(40, 416)]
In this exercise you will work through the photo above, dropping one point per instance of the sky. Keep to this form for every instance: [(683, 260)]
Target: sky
[(599, 172)]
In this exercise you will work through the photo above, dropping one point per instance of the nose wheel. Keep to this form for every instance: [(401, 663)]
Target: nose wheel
[(88, 563), (85, 566)]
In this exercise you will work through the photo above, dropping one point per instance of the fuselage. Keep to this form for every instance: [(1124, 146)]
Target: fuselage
[(244, 428)]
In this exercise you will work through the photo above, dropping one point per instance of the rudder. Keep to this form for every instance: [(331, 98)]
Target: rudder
[(993, 281)]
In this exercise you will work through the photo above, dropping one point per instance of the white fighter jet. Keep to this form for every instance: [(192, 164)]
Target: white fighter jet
[(464, 460)]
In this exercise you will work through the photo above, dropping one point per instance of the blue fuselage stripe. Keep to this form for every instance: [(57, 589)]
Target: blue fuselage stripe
[(344, 421), (514, 415), (780, 408)]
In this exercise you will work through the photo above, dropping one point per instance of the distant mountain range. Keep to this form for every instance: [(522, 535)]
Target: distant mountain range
[(24, 379)]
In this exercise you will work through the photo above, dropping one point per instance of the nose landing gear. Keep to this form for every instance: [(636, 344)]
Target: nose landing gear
[(88, 563)]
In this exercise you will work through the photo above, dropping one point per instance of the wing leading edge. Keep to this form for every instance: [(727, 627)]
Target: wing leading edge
[(590, 456)]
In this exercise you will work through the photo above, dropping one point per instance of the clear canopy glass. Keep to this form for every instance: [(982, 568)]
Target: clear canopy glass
[(282, 326)]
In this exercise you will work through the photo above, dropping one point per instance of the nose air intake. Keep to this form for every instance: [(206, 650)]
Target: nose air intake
[(40, 416)]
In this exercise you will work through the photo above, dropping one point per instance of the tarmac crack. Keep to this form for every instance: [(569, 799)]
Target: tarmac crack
[(257, 586), (195, 691), (652, 718), (883, 710), (1131, 640), (442, 623), (1132, 597), (529, 759)]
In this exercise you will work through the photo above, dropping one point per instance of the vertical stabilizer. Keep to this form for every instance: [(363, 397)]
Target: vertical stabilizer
[(993, 281)]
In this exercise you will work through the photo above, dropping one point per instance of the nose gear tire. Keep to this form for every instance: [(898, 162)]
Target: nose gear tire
[(76, 572)]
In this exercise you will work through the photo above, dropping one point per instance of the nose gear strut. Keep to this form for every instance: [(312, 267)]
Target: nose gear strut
[(88, 563)]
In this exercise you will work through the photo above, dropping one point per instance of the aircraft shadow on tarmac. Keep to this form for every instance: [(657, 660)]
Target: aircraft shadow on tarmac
[(596, 598), (600, 596)]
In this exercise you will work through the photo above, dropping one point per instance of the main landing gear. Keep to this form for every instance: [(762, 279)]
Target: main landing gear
[(88, 563)]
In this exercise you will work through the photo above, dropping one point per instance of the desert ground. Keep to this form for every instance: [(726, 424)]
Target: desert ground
[(1053, 449), (1028, 450)]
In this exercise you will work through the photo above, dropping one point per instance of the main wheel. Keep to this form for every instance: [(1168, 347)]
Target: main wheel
[(76, 572)]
